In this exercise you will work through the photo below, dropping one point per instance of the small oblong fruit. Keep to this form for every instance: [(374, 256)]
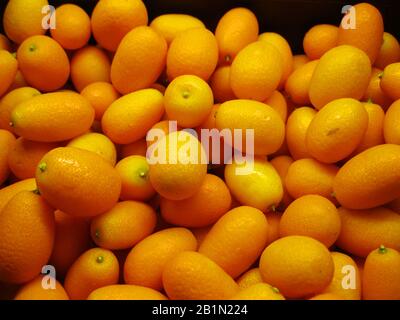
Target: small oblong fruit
[(391, 126), (8, 70), (236, 240), (374, 91), (269, 129), (367, 34), (210, 203), (337, 130), (139, 60), (146, 261), (365, 230), (23, 19), (390, 81), (7, 193), (78, 182), (312, 216), (125, 292), (27, 239), (130, 117), (249, 278), (298, 266), (194, 52), (193, 276), (171, 25), (123, 226), (370, 179), (320, 39), (43, 63), (52, 117), (178, 165), (34, 290), (95, 268), (389, 52), (342, 72), (260, 187), (256, 71), (381, 276), (235, 30)]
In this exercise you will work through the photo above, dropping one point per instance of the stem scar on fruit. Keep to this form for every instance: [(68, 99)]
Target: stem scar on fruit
[(42, 166), (32, 47), (382, 249), (100, 259), (186, 94), (97, 234), (36, 191)]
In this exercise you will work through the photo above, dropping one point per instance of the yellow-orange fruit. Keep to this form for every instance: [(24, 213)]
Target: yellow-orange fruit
[(220, 84), (374, 134), (278, 102), (381, 276), (130, 117), (145, 263), (125, 292), (374, 92), (34, 290), (100, 95), (177, 165), (73, 27), (299, 266), (7, 193), (188, 100), (43, 63), (123, 226), (7, 142), (10, 101), (249, 278), (235, 30), (390, 81), (389, 52), (95, 268), (23, 19), (370, 179), (365, 230), (281, 44), (113, 19), (18, 82), (296, 132), (342, 72), (25, 156), (320, 39), (71, 240), (89, 65), (195, 52), (97, 143), (27, 239), (297, 85), (299, 60), (134, 172), (225, 243), (274, 219), (171, 25), (308, 176), (367, 34), (139, 60), (8, 70), (269, 129), (210, 203), (346, 280), (52, 117), (337, 130), (193, 276), (256, 71), (255, 183), (312, 216), (78, 182), (259, 291)]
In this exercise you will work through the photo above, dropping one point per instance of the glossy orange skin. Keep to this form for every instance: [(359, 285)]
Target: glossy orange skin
[(7, 193), (8, 70), (374, 91), (33, 290), (7, 142)]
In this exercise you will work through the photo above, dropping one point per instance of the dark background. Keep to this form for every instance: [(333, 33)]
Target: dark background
[(291, 18)]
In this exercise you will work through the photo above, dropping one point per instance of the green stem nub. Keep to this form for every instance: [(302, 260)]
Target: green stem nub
[(36, 191), (142, 174), (380, 76), (32, 48), (100, 259), (275, 289), (382, 249), (186, 94), (42, 167)]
